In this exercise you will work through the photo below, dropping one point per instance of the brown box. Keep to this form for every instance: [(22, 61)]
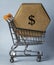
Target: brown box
[(32, 16)]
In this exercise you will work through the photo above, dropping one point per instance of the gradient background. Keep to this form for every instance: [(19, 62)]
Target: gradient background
[(11, 6)]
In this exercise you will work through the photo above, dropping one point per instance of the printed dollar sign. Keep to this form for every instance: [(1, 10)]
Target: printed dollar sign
[(32, 21)]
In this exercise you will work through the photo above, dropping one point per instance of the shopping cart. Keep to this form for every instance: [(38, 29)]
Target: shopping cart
[(24, 32)]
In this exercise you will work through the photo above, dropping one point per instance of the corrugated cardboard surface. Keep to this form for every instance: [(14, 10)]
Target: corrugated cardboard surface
[(41, 18), (29, 33)]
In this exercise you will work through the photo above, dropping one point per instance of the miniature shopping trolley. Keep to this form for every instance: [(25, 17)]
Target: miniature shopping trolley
[(27, 27)]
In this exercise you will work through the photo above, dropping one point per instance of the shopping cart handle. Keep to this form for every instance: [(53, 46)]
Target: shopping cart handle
[(6, 17)]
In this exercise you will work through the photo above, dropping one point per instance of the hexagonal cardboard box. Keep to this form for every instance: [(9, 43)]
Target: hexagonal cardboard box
[(32, 16)]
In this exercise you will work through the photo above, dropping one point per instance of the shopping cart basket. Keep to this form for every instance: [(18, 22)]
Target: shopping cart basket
[(28, 27)]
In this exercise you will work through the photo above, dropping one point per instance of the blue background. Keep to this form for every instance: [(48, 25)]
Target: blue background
[(11, 6)]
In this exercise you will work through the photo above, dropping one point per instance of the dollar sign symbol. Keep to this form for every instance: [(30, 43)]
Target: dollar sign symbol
[(32, 20)]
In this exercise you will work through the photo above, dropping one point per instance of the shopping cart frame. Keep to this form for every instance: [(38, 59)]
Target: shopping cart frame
[(12, 52)]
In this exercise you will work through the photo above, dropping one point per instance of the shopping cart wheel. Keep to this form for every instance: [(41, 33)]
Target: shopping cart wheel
[(11, 59), (38, 57)]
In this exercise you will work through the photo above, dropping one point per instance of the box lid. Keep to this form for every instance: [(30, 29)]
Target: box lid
[(32, 16)]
